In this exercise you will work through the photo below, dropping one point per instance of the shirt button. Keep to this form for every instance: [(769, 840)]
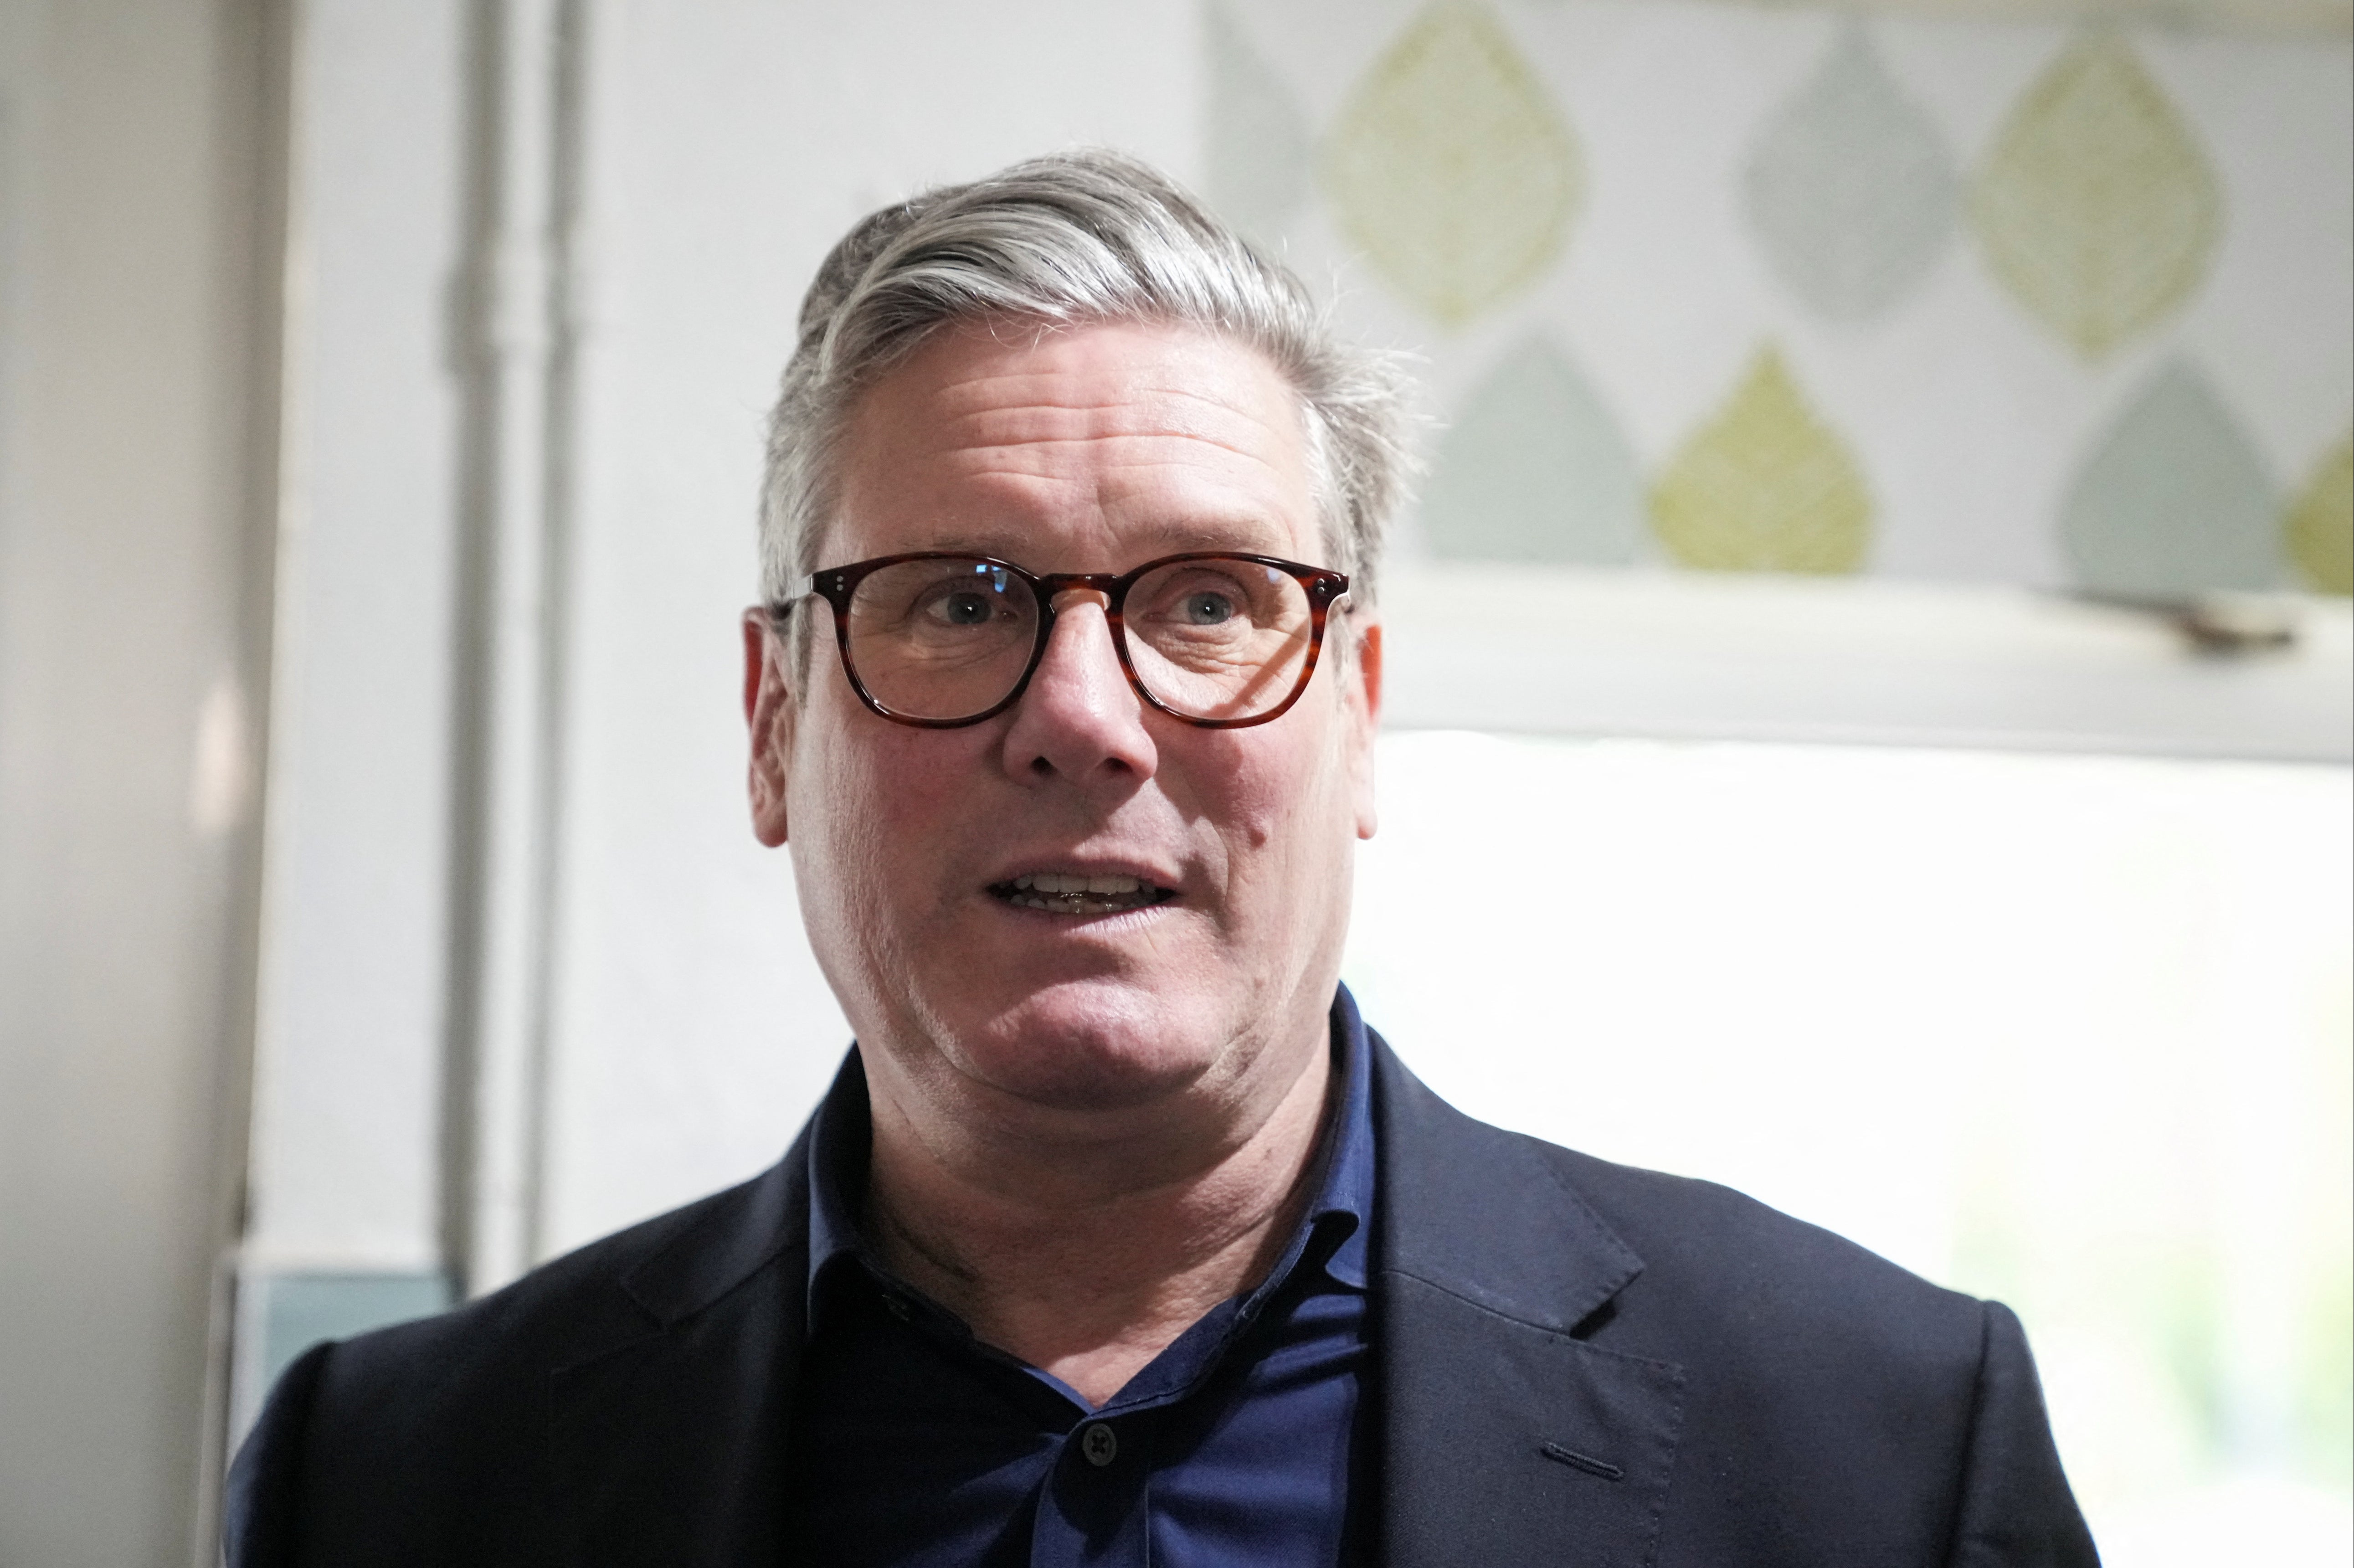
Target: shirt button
[(1099, 1443)]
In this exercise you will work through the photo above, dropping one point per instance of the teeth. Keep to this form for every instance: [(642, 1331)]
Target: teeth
[(1048, 882), (1059, 894)]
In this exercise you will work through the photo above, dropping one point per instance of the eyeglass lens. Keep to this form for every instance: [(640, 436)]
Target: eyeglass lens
[(945, 637)]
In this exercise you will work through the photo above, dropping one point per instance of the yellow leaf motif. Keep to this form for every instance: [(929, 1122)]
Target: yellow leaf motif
[(1765, 486), (2096, 207), (2321, 523), (1451, 166)]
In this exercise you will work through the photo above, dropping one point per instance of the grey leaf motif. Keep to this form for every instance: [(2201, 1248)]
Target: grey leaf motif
[(2174, 499), (1534, 468), (1259, 162), (1850, 189)]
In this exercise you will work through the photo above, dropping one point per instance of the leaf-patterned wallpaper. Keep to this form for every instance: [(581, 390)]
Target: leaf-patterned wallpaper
[(1728, 289)]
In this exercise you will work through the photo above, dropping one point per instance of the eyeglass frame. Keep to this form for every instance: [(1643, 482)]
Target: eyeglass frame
[(835, 585)]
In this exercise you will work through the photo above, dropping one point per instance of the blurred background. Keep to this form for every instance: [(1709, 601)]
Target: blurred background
[(1871, 659)]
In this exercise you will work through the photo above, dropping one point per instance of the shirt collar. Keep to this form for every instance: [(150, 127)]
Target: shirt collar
[(1336, 1227), (840, 1142), (1344, 1198)]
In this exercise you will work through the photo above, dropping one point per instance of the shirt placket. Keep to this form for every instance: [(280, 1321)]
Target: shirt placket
[(1095, 1510)]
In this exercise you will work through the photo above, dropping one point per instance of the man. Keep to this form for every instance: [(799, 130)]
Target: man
[(1119, 1239)]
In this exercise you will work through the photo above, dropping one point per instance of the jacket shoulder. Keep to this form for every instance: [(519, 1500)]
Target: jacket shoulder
[(1707, 1243), (433, 1433), (1891, 1413), (1576, 1238), (570, 1309)]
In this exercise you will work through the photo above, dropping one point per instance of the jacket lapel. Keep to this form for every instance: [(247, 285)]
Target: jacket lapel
[(669, 1448), (1505, 1438)]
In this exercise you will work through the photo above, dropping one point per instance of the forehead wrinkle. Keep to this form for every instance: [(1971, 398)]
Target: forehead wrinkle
[(1048, 434), (1121, 454), (1211, 517), (988, 389), (1213, 507), (1031, 406)]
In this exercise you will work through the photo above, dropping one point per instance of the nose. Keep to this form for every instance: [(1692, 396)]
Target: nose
[(1079, 719)]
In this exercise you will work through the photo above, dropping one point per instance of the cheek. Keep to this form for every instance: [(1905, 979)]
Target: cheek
[(880, 802), (1287, 812)]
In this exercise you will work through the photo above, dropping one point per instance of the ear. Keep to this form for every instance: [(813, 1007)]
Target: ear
[(1364, 698), (768, 712)]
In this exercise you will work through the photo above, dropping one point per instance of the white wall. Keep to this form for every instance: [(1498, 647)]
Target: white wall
[(345, 1226), (346, 1119)]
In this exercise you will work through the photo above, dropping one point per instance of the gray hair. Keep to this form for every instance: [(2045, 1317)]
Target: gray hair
[(1078, 238)]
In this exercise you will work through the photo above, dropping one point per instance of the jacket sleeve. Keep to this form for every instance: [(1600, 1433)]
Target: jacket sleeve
[(261, 1503), (2017, 1511)]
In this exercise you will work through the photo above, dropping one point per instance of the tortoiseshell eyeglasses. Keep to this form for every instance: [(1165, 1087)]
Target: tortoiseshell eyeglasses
[(938, 640)]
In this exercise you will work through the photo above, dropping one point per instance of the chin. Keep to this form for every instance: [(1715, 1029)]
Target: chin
[(1085, 1045)]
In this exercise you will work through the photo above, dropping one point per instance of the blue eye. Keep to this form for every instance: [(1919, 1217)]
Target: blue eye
[(1208, 608), (967, 609)]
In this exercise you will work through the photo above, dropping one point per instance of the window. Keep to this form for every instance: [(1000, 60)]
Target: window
[(2070, 1032)]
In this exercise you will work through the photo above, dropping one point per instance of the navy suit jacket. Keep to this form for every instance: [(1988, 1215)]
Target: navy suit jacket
[(1574, 1362)]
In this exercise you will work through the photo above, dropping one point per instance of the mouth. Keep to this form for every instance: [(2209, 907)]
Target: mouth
[(1080, 894)]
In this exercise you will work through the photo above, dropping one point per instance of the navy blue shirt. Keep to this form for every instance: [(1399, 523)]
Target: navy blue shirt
[(914, 1445)]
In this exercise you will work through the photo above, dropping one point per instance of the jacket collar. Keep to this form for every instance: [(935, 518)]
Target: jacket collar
[(1480, 1212), (739, 1233), (1505, 1436)]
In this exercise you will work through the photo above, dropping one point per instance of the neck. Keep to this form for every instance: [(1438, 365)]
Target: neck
[(1087, 1245)]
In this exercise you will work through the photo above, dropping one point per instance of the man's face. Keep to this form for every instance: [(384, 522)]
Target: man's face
[(1086, 450)]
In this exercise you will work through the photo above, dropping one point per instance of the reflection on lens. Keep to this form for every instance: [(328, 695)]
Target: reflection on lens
[(1219, 638)]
